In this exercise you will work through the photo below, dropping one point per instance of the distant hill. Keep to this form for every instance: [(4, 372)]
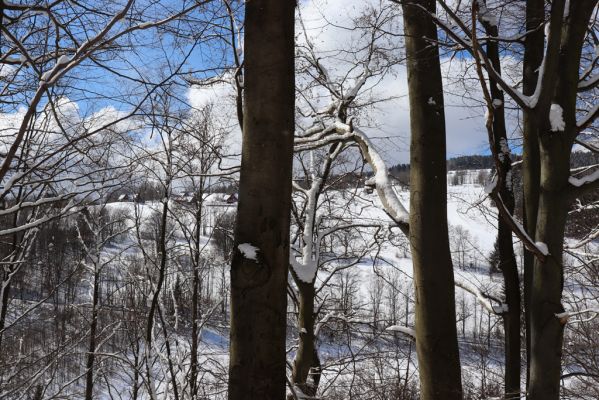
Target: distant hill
[(470, 162), (479, 161)]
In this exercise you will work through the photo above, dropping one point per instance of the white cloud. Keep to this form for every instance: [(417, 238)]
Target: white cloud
[(325, 21)]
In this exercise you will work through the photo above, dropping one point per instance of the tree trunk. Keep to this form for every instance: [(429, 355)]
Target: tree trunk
[(505, 246), (258, 286), (531, 174), (511, 319), (546, 328), (161, 250), (554, 200), (196, 299), (436, 335), (91, 350), (306, 358)]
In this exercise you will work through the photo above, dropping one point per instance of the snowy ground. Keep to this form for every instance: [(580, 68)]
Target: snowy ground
[(354, 349)]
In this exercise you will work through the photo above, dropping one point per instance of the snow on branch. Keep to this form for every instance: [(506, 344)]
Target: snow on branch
[(565, 316), (587, 146), (402, 329), (341, 131), (588, 119), (539, 249), (383, 186), (590, 237), (585, 183), (588, 84), (483, 299)]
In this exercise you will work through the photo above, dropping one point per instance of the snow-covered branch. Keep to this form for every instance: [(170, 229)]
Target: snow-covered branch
[(565, 316), (584, 184), (402, 329), (483, 298), (381, 181)]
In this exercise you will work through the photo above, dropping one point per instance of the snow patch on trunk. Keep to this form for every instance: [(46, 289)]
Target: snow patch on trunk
[(556, 118), (249, 251)]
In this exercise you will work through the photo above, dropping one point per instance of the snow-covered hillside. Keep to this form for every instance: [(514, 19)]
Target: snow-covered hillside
[(364, 296)]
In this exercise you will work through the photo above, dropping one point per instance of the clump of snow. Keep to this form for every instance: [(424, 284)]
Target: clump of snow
[(431, 101), (556, 118), (46, 75), (248, 251), (64, 59), (542, 247), (403, 329), (564, 314), (497, 103), (305, 271)]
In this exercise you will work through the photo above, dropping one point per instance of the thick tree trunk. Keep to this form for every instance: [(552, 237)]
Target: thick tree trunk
[(258, 286), (533, 56), (546, 330), (436, 335)]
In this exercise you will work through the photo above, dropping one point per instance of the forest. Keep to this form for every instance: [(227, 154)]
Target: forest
[(299, 199)]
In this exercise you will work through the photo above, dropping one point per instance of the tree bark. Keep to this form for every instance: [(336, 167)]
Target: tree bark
[(436, 335), (505, 246), (555, 197), (196, 296), (306, 358), (533, 56), (258, 287), (91, 350)]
